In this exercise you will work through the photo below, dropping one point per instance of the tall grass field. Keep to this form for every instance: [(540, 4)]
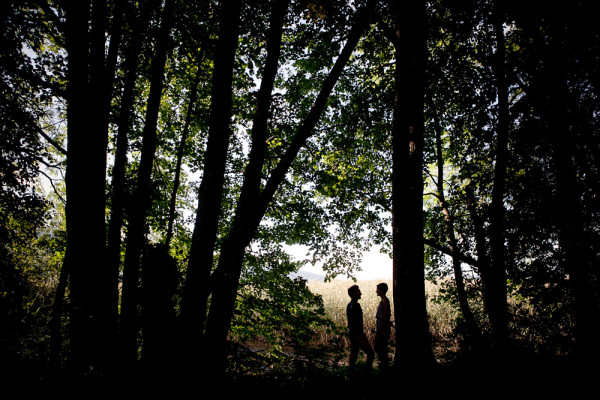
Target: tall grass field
[(335, 299)]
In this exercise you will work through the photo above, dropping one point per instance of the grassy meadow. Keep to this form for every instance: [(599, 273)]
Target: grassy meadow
[(335, 299)]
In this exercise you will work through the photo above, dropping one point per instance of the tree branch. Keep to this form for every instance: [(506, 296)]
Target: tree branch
[(445, 250)]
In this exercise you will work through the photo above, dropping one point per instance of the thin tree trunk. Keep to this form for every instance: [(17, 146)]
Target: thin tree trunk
[(413, 343), (107, 82), (483, 262), (180, 150), (111, 65), (142, 195)]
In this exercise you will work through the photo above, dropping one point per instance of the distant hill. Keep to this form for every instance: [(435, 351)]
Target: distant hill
[(309, 276)]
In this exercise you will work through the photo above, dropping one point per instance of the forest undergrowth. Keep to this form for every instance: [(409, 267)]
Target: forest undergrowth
[(325, 358)]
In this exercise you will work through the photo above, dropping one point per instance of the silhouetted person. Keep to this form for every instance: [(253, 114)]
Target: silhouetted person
[(356, 334), (383, 327)]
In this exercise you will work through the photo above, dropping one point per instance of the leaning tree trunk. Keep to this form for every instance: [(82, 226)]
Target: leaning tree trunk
[(229, 268), (413, 344), (250, 212)]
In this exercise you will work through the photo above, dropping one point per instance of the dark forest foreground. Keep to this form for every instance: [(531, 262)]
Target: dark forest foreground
[(521, 377)]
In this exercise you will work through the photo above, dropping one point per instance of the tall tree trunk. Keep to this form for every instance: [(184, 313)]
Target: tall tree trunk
[(498, 316), (85, 185), (142, 194), (107, 83), (193, 308), (253, 205), (117, 208), (413, 343), (576, 257), (217, 326)]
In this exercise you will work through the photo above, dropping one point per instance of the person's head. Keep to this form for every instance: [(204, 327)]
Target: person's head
[(382, 289), (354, 292)]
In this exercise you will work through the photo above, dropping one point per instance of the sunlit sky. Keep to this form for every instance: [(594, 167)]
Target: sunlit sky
[(374, 265)]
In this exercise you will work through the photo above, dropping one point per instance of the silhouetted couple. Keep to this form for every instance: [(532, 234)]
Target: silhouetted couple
[(357, 336)]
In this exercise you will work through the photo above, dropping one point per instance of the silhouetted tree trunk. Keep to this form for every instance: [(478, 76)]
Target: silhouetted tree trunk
[(575, 249), (196, 290), (116, 32), (85, 185), (137, 21), (159, 284), (142, 194), (413, 343)]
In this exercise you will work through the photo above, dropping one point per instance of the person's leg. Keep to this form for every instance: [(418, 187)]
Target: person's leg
[(354, 347), (366, 347), (381, 349)]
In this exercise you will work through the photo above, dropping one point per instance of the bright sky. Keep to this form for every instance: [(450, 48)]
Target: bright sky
[(375, 265)]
